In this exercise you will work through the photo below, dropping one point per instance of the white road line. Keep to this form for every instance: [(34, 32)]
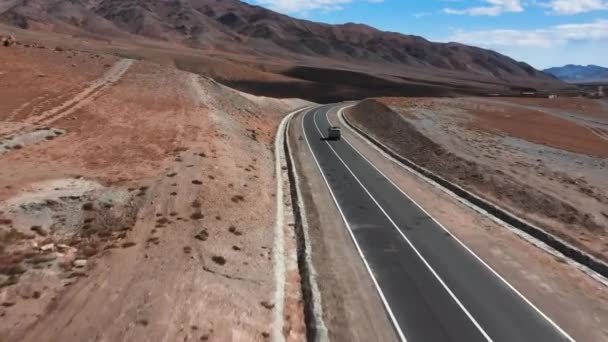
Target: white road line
[(352, 236), (557, 327), (464, 309)]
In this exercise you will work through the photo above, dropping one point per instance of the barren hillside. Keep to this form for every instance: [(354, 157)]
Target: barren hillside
[(126, 190), (283, 45)]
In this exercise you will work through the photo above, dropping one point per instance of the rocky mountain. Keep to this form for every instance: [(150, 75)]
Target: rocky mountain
[(231, 26), (580, 73)]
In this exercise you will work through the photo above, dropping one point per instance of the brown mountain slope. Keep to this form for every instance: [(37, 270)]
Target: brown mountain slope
[(230, 26)]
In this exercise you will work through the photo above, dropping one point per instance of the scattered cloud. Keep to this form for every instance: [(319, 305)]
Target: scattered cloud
[(421, 14), (568, 7), (300, 6), (493, 8), (540, 38)]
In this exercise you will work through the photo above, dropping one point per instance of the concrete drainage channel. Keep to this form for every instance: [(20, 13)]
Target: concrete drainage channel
[(289, 196), (584, 261)]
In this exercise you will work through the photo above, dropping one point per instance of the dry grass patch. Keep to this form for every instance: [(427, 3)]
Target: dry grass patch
[(197, 215), (237, 198), (128, 244), (203, 235), (220, 260)]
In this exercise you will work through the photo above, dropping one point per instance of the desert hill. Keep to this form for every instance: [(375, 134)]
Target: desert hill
[(280, 44)]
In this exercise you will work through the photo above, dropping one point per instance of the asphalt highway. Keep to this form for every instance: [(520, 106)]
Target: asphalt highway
[(432, 286)]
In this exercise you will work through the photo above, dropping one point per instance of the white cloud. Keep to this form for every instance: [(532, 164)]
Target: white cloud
[(421, 15), (553, 36), (494, 8), (299, 6), (565, 7)]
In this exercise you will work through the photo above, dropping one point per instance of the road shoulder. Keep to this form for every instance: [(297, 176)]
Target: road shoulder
[(352, 309)]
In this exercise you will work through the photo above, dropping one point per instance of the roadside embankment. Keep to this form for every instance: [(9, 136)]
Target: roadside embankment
[(503, 192)]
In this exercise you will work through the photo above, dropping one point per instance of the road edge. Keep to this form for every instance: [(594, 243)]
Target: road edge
[(313, 304), (291, 251), (538, 237)]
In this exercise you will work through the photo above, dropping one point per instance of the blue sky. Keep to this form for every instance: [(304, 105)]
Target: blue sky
[(543, 33)]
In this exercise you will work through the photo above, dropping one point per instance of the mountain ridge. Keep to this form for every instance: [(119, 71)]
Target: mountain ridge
[(232, 26), (574, 73)]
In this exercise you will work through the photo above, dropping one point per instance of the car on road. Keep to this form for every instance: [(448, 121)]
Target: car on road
[(334, 133)]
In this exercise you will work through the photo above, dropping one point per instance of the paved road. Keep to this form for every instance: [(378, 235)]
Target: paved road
[(433, 288)]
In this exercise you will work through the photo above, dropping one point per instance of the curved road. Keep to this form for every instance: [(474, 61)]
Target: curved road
[(432, 286)]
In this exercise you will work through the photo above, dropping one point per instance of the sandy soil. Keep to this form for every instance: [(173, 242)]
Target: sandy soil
[(544, 167), (572, 299), (592, 108), (148, 217)]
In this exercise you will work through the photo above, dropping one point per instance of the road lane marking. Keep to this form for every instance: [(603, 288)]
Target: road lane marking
[(526, 300), (449, 291), (352, 236)]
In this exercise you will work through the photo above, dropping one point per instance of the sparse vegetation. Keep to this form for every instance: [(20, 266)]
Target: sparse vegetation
[(233, 230), (127, 244), (38, 230), (197, 215), (203, 235), (267, 305), (237, 198), (197, 182), (220, 260)]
